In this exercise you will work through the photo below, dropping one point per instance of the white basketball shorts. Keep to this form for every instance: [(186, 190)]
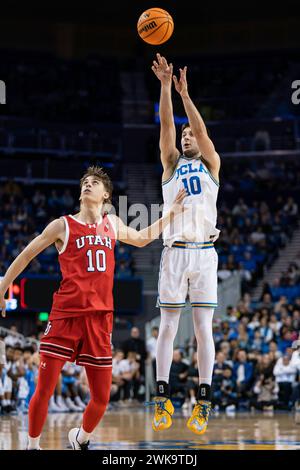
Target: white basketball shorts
[(188, 269)]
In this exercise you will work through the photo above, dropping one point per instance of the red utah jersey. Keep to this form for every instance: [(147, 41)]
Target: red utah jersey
[(87, 263)]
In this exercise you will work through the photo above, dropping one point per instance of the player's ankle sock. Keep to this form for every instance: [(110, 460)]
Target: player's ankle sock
[(83, 436), (204, 392), (33, 442), (162, 389)]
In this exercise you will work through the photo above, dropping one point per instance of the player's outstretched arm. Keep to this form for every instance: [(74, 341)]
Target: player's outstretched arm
[(50, 234), (147, 235), (167, 142), (197, 124)]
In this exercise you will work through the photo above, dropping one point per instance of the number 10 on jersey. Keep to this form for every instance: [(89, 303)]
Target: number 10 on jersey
[(98, 260), (193, 185)]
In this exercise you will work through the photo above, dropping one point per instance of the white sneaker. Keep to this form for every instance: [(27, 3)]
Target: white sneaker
[(230, 409), (193, 401), (60, 402), (71, 405), (53, 408), (79, 403), (73, 433)]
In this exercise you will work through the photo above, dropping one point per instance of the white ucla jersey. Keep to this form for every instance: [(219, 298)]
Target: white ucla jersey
[(198, 221)]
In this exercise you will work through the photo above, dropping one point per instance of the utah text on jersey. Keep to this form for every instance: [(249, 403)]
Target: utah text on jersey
[(93, 240)]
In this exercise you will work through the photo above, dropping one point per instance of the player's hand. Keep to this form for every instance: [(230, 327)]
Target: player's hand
[(177, 206), (163, 70), (181, 84)]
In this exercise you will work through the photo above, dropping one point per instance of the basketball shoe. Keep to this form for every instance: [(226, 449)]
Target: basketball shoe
[(199, 419), (73, 435), (163, 412)]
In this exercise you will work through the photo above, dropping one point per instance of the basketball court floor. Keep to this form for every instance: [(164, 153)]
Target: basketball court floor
[(130, 428)]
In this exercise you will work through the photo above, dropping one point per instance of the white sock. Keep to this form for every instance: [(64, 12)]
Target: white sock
[(83, 436), (167, 332), (203, 318), (33, 442)]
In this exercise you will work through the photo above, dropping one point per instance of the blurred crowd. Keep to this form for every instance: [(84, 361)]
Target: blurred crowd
[(261, 222), (48, 88)]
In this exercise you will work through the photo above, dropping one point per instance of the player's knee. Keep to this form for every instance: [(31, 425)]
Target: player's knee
[(101, 400), (168, 329)]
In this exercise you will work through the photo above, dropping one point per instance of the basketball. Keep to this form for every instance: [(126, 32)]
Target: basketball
[(155, 26)]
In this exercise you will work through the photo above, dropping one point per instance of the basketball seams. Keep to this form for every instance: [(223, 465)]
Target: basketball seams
[(151, 19), (155, 31), (165, 33)]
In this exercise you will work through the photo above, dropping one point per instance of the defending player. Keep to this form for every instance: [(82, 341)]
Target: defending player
[(189, 261), (80, 322)]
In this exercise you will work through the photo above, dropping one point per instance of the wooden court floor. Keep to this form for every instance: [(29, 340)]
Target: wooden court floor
[(130, 428)]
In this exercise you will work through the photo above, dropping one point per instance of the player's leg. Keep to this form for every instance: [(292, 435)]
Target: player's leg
[(203, 327), (49, 370), (202, 318), (96, 356), (203, 297), (167, 332), (99, 380), (172, 291)]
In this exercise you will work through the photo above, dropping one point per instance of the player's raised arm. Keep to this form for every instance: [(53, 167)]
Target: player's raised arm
[(50, 234), (147, 235), (167, 142), (197, 125)]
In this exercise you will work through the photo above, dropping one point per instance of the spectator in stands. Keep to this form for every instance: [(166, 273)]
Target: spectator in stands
[(242, 374), (136, 344), (266, 391), (13, 338), (117, 371), (273, 351), (224, 273), (285, 341), (151, 346), (5, 390), (285, 374), (83, 386), (243, 337), (226, 396), (266, 332), (129, 373), (178, 374), (291, 209), (192, 383), (220, 365)]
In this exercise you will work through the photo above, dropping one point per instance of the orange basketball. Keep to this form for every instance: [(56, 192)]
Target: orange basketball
[(155, 26)]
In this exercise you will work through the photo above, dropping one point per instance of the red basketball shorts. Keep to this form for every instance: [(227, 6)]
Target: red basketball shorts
[(85, 339)]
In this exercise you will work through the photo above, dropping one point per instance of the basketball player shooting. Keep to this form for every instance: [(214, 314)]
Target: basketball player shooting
[(81, 318), (189, 260)]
